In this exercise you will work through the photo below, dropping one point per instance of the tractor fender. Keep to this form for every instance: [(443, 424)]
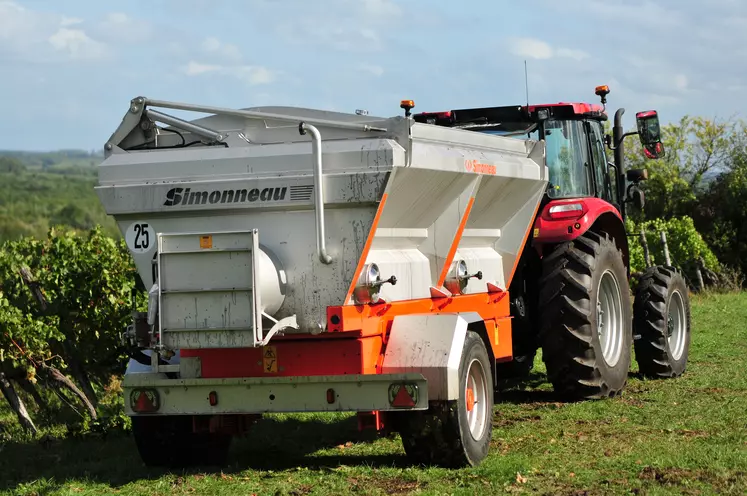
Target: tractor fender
[(429, 344), (596, 215), (549, 230)]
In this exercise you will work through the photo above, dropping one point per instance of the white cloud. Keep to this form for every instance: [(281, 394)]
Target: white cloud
[(643, 13), (70, 21), (253, 75), (356, 26), (119, 27), (233, 65), (195, 68), (681, 81), (117, 18), (375, 70), (533, 48), (76, 44), (572, 54), (257, 74), (215, 47), (383, 8), (333, 33), (35, 36)]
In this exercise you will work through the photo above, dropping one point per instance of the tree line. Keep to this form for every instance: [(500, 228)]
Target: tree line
[(697, 193)]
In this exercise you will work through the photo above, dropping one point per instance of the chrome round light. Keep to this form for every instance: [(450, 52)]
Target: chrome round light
[(458, 277), (369, 284)]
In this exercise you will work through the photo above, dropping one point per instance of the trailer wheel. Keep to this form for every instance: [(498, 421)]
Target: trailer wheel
[(586, 322), (168, 441), (661, 316), (455, 433)]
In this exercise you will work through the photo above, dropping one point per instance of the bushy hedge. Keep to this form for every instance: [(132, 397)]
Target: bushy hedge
[(686, 246), (84, 282)]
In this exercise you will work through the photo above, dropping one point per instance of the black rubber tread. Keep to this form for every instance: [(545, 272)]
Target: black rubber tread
[(567, 301), (168, 441), (440, 435), (650, 311)]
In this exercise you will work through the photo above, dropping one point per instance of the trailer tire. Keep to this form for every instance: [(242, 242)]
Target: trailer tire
[(585, 282), (661, 317), (442, 435), (168, 441)]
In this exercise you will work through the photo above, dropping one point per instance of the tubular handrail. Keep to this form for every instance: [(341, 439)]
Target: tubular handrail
[(250, 114), (316, 147)]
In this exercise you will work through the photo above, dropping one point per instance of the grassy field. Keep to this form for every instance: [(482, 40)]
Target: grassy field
[(687, 436)]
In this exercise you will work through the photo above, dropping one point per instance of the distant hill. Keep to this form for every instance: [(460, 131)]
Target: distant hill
[(42, 189), (56, 160)]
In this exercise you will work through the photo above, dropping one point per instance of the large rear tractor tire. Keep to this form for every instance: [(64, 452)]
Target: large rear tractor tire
[(586, 322), (455, 433), (168, 441), (661, 317)]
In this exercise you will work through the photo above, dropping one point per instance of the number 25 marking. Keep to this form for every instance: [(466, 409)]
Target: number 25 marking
[(142, 238)]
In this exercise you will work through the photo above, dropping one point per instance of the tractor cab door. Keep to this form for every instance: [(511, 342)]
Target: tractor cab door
[(604, 179)]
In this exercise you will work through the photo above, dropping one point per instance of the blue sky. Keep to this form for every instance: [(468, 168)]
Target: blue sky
[(68, 69)]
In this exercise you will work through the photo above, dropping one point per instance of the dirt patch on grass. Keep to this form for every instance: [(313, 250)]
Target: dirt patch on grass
[(387, 485), (635, 402), (692, 433), (301, 490), (501, 421), (673, 476)]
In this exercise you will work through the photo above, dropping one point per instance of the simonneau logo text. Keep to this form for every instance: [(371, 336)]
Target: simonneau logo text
[(181, 196)]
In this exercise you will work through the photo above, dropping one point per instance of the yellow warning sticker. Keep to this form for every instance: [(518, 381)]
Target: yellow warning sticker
[(206, 242), (270, 359), (536, 232)]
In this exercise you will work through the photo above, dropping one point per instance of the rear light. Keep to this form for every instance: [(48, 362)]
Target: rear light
[(566, 211), (403, 395), (331, 396), (213, 398), (144, 400)]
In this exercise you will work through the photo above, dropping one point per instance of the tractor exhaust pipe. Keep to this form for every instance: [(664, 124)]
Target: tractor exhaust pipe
[(618, 136)]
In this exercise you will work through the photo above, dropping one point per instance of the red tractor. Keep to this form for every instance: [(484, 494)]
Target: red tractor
[(571, 295)]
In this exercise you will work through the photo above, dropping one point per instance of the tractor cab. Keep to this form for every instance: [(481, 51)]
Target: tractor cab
[(574, 141)]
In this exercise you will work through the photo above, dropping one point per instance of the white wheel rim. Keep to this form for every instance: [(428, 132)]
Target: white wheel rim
[(610, 326), (476, 401), (676, 325)]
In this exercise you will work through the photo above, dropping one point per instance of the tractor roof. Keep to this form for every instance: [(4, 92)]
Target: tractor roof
[(511, 117)]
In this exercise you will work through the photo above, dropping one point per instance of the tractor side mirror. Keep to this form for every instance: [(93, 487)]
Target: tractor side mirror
[(636, 175), (636, 197), (649, 132)]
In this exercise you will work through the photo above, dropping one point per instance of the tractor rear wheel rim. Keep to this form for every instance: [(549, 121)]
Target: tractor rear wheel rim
[(610, 318), (478, 413), (676, 325)]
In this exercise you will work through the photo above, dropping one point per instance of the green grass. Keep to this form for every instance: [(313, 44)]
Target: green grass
[(685, 436)]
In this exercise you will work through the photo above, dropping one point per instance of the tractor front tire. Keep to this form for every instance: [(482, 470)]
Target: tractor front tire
[(661, 318), (168, 441), (586, 322), (456, 433)]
